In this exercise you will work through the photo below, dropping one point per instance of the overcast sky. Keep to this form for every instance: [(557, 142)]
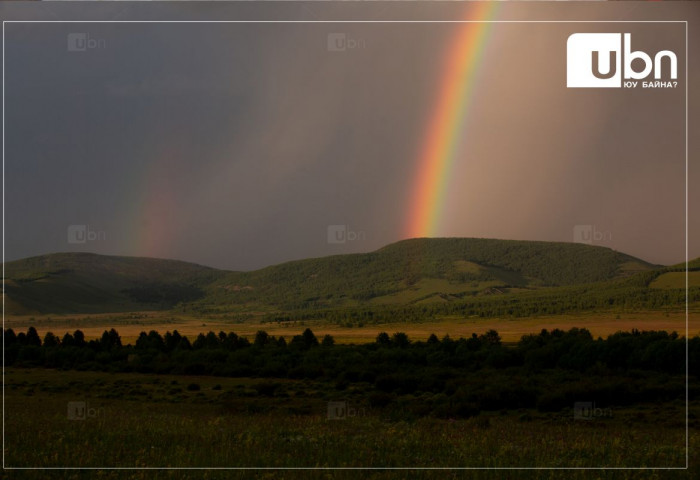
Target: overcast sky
[(238, 145)]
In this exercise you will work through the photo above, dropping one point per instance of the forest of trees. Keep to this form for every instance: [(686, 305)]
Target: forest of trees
[(459, 375)]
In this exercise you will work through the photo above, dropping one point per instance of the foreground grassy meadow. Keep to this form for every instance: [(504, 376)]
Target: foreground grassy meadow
[(140, 420), (129, 325)]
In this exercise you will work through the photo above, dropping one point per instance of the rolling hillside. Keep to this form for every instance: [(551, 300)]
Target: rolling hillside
[(90, 283), (410, 272), (423, 270)]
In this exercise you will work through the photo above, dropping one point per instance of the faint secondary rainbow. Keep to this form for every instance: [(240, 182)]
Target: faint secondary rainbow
[(446, 126), (153, 206)]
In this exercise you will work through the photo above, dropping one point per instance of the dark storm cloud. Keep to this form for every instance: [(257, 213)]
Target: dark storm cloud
[(237, 145)]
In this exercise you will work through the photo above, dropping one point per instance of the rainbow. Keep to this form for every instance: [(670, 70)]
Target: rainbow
[(445, 129), (152, 203)]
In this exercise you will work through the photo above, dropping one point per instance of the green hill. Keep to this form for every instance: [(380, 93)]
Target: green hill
[(90, 283), (407, 273), (423, 270)]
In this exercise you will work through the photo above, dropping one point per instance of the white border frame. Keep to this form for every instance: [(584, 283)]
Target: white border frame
[(685, 22)]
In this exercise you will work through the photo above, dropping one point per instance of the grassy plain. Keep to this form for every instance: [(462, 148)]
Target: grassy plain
[(140, 420), (129, 325)]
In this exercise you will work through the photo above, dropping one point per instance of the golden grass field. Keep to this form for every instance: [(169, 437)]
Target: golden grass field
[(129, 325)]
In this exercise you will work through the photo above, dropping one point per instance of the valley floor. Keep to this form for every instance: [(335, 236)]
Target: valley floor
[(140, 420), (129, 325)]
